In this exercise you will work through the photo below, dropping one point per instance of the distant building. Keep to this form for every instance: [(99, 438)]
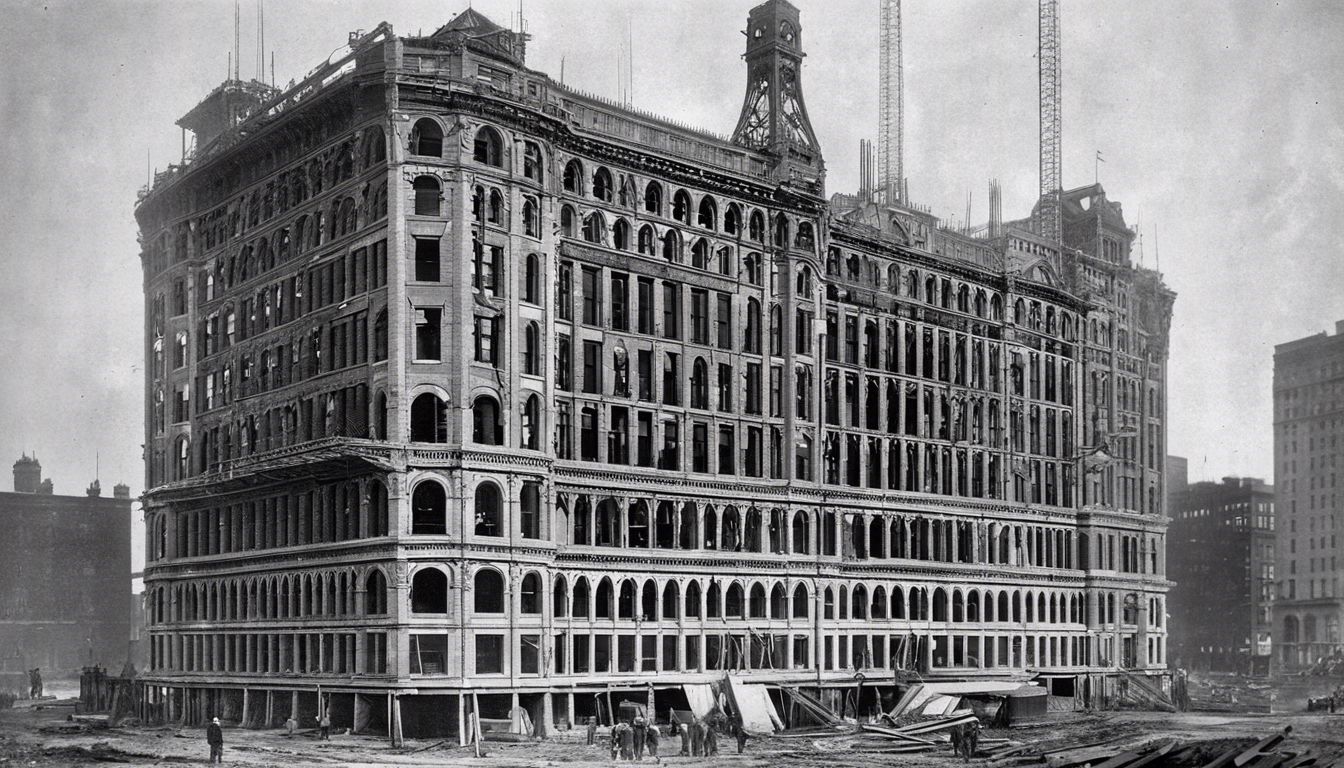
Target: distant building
[(1308, 425), (1178, 480), (65, 564), (1221, 556)]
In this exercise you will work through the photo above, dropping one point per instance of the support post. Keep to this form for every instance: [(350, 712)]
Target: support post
[(396, 721)]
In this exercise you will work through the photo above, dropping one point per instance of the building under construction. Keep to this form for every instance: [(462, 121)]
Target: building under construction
[(469, 391)]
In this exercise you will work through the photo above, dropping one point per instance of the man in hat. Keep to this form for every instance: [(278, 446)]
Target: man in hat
[(214, 736)]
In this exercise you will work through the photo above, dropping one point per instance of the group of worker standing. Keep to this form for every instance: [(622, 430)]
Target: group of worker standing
[(630, 741)]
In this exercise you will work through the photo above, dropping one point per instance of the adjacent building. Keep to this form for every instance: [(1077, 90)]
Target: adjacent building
[(1221, 542), (65, 577), (1308, 432), (468, 390)]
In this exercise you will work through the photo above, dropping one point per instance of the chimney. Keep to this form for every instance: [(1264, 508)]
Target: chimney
[(121, 491), (95, 489), (27, 475)]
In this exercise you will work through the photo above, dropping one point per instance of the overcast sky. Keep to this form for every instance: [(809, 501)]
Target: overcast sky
[(1220, 125)]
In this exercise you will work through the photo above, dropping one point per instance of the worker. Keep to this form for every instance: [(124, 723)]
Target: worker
[(640, 735), (214, 736), (685, 731), (697, 738), (741, 734), (614, 737), (324, 725), (592, 731), (651, 742), (711, 738), (627, 742), (290, 725)]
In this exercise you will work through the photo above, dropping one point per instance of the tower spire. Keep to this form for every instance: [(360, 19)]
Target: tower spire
[(774, 119)]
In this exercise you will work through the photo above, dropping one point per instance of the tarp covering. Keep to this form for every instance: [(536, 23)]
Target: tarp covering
[(701, 699), (754, 706), (363, 711)]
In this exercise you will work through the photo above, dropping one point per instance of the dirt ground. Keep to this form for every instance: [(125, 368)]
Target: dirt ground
[(23, 741)]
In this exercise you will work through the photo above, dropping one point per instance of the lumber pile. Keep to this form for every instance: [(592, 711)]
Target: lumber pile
[(1264, 753)]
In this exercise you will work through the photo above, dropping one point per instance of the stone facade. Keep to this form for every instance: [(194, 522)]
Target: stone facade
[(473, 390)]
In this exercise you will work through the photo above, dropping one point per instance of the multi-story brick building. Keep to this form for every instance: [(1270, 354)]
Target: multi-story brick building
[(471, 390), (65, 578), (1308, 431), (1222, 566)]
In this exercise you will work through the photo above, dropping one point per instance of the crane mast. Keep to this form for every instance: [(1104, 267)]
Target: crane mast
[(891, 106), (1048, 224)]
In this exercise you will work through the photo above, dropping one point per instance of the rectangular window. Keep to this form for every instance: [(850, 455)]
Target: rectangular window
[(529, 654), (754, 452), (776, 391), (644, 444), (753, 404), (618, 436), (564, 431), (588, 433), (671, 311), (670, 457), (645, 391), (726, 387), (429, 654), (802, 342), (489, 654), (564, 363), (727, 450), (646, 306), (832, 332), (699, 447), (592, 296), (487, 328), (602, 653), (699, 317), (671, 380), (427, 259), (564, 291), (724, 321), (592, 367), (427, 333), (620, 309), (851, 340)]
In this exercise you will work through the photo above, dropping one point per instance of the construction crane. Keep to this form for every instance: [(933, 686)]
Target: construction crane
[(1048, 224), (891, 106)]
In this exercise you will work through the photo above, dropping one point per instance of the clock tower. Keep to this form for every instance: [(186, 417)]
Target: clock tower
[(774, 119)]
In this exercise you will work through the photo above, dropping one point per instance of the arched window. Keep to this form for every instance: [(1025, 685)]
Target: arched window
[(531, 218), (709, 213), (532, 413), (375, 594), (532, 279), (487, 428), (805, 240), (426, 196), (489, 147), (800, 533), (681, 207), (620, 235), (429, 419), (733, 602), (756, 227), (426, 139), (801, 609), (732, 219), (529, 510), (604, 603), (700, 253), (567, 221), (672, 246), (646, 240), (529, 597), (573, 177), (594, 227), (756, 608), (581, 607), (429, 505), (602, 186), (532, 162), (700, 384), (488, 591), (559, 598), (429, 591), (489, 515), (653, 198), (495, 213)]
